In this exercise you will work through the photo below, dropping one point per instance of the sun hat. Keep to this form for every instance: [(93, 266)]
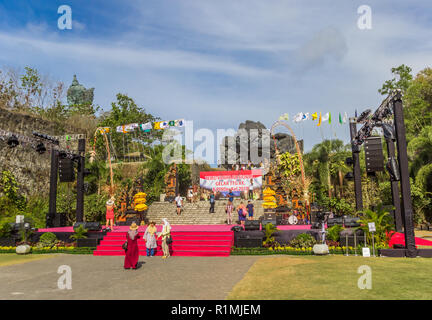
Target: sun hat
[(110, 202), (133, 226)]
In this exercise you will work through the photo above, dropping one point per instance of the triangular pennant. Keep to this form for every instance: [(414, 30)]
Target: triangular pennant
[(329, 117), (340, 118), (345, 118), (320, 119), (314, 116)]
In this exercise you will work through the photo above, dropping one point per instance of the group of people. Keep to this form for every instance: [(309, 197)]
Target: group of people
[(244, 212), (150, 236), (249, 166)]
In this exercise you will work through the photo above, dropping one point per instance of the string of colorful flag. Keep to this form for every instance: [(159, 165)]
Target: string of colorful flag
[(327, 117), (145, 127)]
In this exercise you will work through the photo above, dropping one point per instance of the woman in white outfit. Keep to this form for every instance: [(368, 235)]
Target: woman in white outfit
[(165, 233)]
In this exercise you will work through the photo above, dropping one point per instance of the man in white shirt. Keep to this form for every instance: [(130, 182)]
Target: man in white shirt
[(179, 202)]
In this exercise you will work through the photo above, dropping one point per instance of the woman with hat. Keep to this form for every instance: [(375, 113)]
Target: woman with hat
[(110, 213), (132, 251), (150, 238), (165, 234)]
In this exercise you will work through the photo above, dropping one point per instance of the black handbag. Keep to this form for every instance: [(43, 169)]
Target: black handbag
[(169, 240), (125, 246)]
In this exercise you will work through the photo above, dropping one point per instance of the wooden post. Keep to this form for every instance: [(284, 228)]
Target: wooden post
[(411, 250)]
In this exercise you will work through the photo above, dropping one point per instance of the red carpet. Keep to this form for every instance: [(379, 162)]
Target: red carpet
[(399, 238), (192, 241)]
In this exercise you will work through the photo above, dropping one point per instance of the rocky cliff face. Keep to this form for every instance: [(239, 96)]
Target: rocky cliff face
[(30, 168)]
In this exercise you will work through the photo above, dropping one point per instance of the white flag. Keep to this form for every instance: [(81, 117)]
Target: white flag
[(298, 117), (179, 123), (325, 117), (305, 116), (345, 118)]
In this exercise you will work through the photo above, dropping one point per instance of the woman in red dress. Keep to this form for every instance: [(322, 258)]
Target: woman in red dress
[(132, 252), (110, 213)]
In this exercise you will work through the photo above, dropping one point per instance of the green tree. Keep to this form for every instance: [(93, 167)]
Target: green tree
[(125, 111), (402, 80)]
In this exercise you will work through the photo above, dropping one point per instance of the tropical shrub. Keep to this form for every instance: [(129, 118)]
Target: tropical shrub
[(333, 233), (48, 239), (303, 240), (383, 225), (80, 233), (269, 232)]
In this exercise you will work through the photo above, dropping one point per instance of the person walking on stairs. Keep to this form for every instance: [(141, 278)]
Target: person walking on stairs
[(212, 202), (179, 203)]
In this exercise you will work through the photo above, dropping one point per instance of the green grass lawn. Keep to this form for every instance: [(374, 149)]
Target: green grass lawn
[(7, 259), (334, 277)]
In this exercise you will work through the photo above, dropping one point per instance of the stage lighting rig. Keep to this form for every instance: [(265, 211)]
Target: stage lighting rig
[(46, 137), (363, 116), (40, 148), (12, 141)]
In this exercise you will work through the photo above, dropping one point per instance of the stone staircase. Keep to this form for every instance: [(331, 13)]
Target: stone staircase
[(197, 213)]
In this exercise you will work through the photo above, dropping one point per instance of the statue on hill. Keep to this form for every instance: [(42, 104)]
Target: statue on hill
[(77, 94)]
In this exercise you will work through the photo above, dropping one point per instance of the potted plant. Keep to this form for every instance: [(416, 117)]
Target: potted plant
[(80, 236)]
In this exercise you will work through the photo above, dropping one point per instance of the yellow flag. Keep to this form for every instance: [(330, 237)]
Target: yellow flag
[(157, 125), (319, 121), (314, 116)]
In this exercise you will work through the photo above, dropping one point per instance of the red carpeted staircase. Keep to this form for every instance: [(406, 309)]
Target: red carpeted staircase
[(185, 243)]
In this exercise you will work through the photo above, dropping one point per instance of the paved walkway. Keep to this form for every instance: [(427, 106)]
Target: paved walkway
[(190, 278)]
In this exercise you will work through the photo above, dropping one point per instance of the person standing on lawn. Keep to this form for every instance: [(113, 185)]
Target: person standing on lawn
[(132, 252), (150, 238), (165, 234), (212, 202)]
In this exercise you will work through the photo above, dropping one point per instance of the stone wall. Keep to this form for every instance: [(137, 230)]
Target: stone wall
[(30, 168)]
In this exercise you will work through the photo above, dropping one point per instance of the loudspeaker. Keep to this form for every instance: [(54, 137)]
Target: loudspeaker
[(90, 226), (351, 222), (374, 154), (237, 228), (334, 221), (66, 170), (245, 241), (252, 225), (56, 221)]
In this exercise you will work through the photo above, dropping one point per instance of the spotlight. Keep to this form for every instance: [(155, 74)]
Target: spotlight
[(62, 154), (349, 161), (40, 148), (349, 176), (363, 116), (392, 168), (13, 141), (389, 131)]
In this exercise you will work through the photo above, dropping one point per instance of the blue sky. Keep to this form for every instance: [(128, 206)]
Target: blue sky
[(221, 62)]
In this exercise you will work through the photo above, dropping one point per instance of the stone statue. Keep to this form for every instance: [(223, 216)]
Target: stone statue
[(77, 94)]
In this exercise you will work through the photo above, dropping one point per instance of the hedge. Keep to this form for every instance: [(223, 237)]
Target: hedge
[(36, 250)]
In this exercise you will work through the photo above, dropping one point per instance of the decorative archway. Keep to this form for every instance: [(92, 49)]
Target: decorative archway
[(284, 124)]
